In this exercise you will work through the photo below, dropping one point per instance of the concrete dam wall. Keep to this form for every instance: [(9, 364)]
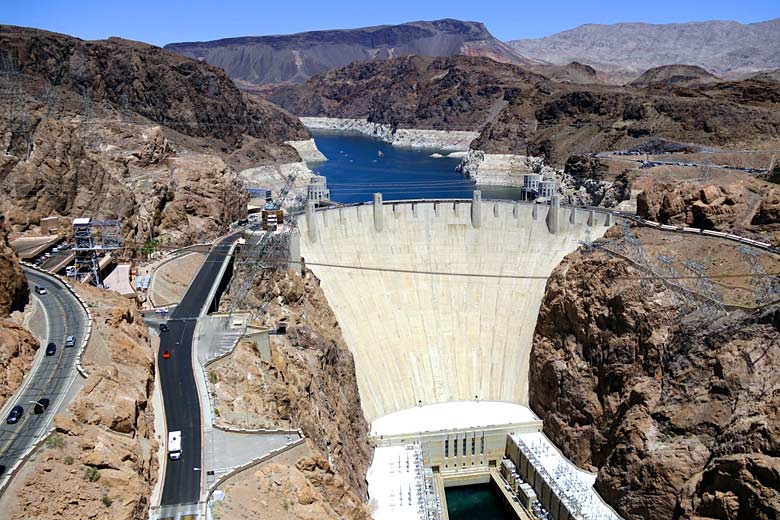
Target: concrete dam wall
[(425, 337)]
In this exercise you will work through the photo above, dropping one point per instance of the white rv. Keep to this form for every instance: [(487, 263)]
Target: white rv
[(174, 445)]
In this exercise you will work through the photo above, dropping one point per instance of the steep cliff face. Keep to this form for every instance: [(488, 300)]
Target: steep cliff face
[(13, 284), (102, 462), (309, 382), (679, 416), (120, 129), (524, 113), (17, 345)]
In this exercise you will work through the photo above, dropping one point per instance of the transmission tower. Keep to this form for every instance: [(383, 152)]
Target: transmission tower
[(253, 260), (709, 298), (670, 277), (765, 289), (706, 173), (89, 136)]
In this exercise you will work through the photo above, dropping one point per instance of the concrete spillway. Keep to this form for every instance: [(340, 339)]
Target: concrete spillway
[(423, 338)]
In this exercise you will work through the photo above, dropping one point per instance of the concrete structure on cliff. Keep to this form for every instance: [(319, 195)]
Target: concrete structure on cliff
[(438, 302), (444, 302)]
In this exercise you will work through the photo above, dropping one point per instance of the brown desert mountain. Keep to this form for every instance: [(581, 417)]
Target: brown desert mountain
[(679, 75), (727, 49), (293, 58)]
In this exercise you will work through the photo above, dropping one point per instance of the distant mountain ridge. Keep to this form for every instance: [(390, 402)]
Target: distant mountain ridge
[(725, 48), (294, 58)]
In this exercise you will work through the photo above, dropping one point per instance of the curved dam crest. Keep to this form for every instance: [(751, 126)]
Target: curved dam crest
[(423, 338)]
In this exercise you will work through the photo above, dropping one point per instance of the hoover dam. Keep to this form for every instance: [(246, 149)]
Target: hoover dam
[(438, 300)]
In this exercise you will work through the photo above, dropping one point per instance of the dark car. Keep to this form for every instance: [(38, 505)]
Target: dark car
[(163, 327), (2, 470), (51, 349), (41, 405), (16, 413)]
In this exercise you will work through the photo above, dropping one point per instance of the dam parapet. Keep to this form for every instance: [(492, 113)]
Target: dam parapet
[(438, 299)]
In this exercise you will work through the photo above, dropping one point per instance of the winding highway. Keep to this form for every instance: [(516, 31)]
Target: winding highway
[(183, 477), (51, 376)]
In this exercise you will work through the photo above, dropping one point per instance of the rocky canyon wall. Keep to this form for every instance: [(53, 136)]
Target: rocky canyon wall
[(308, 382), (678, 412)]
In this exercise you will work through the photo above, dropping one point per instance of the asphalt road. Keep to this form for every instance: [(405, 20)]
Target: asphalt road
[(179, 391), (51, 378)]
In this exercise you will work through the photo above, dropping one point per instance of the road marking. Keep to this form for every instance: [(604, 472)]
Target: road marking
[(18, 428)]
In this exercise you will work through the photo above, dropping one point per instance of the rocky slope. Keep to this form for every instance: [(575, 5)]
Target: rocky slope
[(17, 345), (681, 75), (121, 129), (679, 417), (293, 58), (523, 113), (723, 47), (296, 485), (102, 460), (308, 382)]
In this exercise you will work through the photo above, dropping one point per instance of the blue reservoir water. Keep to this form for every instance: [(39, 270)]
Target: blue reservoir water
[(355, 171), (477, 502)]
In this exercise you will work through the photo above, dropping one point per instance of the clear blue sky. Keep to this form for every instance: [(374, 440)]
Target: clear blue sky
[(160, 21)]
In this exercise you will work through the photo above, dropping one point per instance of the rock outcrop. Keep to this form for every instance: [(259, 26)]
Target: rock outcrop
[(308, 382), (17, 345), (17, 350), (296, 485), (159, 145), (679, 417), (102, 460), (679, 75), (13, 284), (745, 208)]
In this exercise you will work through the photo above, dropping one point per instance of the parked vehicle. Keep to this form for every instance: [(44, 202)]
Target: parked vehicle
[(16, 414)]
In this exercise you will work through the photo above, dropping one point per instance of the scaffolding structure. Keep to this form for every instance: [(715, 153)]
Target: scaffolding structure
[(91, 240)]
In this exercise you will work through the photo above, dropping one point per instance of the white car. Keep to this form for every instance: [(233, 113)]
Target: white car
[(40, 289), (70, 341)]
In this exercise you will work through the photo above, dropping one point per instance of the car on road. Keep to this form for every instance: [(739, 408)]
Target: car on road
[(16, 414), (166, 355), (40, 289), (51, 349), (2, 470), (163, 327), (41, 405), (70, 341)]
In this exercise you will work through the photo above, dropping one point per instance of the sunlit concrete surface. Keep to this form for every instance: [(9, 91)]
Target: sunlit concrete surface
[(431, 338), (455, 415)]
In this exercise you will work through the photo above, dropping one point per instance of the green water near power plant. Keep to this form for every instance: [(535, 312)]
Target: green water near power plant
[(477, 502)]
